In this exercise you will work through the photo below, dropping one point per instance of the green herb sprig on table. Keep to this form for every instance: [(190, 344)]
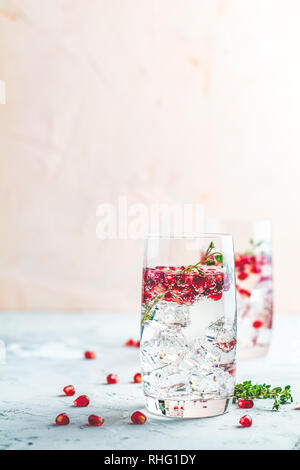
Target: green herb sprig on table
[(247, 390)]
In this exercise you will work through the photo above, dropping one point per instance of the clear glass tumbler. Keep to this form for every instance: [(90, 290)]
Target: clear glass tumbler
[(188, 325)]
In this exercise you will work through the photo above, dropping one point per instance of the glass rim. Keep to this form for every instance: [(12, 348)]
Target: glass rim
[(186, 236)]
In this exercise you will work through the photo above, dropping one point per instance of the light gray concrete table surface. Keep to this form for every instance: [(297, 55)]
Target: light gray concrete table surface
[(45, 353)]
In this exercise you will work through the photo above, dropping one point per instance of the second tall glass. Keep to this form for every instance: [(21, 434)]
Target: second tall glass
[(188, 325)]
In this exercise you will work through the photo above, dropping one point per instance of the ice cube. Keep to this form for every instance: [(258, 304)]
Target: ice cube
[(215, 384), (167, 381), (206, 352), (222, 335), (166, 349), (172, 314)]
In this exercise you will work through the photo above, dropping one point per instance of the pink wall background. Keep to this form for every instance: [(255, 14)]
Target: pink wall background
[(162, 101)]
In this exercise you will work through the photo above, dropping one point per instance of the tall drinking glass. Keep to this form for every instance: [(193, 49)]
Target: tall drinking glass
[(188, 325), (253, 261)]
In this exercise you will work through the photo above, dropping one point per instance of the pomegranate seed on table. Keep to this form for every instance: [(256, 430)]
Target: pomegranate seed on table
[(138, 418), (62, 419), (112, 379), (257, 324), (89, 355), (246, 421), (129, 343), (95, 420), (137, 378), (81, 401), (243, 403), (69, 390), (136, 344)]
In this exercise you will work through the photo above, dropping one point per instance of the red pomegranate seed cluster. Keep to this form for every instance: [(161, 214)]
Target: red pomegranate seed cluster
[(183, 288), (94, 420), (83, 400), (246, 265), (250, 263)]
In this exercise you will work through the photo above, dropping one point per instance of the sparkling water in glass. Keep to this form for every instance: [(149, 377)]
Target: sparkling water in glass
[(188, 325), (253, 262)]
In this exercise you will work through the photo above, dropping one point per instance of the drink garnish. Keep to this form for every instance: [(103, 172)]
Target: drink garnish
[(209, 258), (247, 390)]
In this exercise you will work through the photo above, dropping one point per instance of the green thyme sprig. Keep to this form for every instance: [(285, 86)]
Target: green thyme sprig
[(247, 390), (147, 315), (253, 246), (208, 259)]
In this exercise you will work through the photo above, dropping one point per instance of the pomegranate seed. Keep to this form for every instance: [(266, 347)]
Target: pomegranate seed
[(246, 421), (245, 259), (257, 324), (137, 344), (198, 282), (159, 276), (137, 378), (95, 420), (265, 278), (62, 419), (150, 283), (89, 355), (168, 297), (244, 293), (242, 276), (245, 403), (69, 390), (138, 418), (129, 343), (146, 297), (215, 296), (83, 400), (255, 269), (112, 379)]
